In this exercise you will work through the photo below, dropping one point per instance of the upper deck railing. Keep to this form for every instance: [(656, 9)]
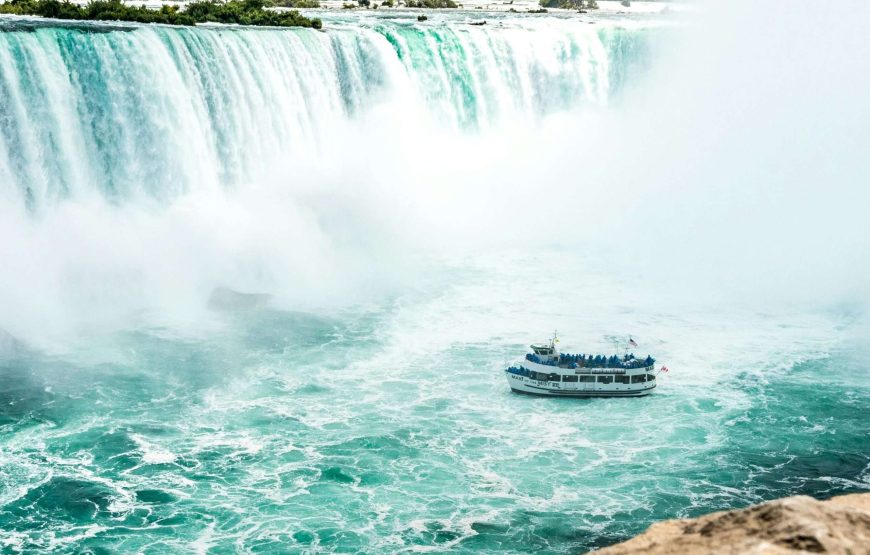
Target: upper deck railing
[(598, 361)]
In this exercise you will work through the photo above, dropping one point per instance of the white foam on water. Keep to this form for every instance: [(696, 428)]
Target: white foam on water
[(152, 453)]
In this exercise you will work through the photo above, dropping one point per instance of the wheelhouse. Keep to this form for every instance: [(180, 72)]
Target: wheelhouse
[(543, 350)]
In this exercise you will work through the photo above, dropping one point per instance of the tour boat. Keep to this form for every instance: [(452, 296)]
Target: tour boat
[(546, 371)]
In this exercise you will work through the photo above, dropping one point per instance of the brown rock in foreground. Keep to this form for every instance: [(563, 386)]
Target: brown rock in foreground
[(790, 525)]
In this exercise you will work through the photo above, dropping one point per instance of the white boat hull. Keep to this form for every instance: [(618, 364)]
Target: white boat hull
[(536, 388)]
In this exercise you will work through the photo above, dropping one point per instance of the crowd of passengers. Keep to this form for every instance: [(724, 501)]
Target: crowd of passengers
[(598, 361)]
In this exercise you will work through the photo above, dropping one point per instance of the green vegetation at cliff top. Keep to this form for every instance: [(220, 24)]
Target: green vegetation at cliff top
[(240, 12), (431, 4), (570, 4)]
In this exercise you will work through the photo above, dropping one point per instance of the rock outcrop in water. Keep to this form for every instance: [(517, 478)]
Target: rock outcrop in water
[(793, 524), (223, 298)]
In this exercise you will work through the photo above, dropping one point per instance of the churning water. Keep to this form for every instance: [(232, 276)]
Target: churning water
[(147, 172)]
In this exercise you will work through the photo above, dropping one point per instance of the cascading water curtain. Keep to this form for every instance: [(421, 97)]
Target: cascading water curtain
[(128, 112)]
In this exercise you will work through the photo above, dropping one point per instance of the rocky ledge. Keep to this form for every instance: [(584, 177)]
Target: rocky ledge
[(793, 524)]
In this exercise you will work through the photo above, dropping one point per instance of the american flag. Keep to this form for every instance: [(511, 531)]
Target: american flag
[(632, 342), (664, 369)]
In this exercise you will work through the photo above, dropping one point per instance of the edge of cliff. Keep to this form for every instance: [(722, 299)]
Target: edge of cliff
[(792, 524)]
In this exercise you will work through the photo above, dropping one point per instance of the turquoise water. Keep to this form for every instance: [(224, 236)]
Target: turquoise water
[(391, 428), (362, 181)]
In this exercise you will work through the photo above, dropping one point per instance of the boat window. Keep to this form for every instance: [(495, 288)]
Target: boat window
[(605, 379), (569, 378), (638, 379), (553, 377), (650, 377), (587, 378), (621, 379)]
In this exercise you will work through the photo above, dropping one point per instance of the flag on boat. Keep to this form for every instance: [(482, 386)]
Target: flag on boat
[(632, 342), (664, 369)]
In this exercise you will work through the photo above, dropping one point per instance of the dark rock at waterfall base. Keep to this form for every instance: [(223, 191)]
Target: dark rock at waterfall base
[(223, 298)]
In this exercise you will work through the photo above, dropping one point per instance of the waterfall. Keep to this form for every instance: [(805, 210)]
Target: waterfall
[(125, 112)]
